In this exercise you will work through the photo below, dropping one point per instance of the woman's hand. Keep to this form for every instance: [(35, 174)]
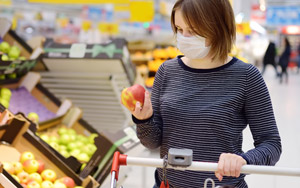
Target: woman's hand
[(229, 165), (145, 111)]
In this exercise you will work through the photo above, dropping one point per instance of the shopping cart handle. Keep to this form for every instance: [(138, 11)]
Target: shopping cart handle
[(118, 160)]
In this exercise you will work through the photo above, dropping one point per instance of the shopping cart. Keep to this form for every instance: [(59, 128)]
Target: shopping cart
[(181, 159)]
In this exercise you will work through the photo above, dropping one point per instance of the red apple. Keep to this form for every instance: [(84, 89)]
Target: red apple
[(35, 177), (47, 184), (23, 176), (131, 95), (26, 156), (59, 185), (31, 166), (33, 184), (41, 166), (69, 182), (18, 167), (9, 167), (49, 175)]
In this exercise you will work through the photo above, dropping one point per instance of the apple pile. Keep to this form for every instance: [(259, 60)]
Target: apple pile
[(5, 95), (10, 53), (68, 143), (31, 173)]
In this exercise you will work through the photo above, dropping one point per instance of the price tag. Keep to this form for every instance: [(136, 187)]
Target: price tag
[(77, 50)]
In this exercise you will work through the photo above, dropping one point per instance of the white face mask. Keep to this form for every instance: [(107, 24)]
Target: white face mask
[(192, 47)]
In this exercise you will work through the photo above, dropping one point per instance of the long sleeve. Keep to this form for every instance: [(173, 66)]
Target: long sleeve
[(150, 131), (260, 117)]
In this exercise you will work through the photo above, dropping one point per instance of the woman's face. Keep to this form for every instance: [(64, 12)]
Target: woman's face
[(183, 28)]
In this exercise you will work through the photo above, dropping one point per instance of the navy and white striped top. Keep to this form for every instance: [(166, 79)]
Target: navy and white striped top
[(206, 110)]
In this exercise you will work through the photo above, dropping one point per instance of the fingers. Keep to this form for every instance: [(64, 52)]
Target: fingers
[(229, 165)]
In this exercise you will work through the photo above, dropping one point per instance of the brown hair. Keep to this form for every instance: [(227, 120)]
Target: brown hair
[(212, 19)]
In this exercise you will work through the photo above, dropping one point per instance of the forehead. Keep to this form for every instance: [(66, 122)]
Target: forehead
[(179, 20)]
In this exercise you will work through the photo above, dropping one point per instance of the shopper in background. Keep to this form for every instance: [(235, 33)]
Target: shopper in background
[(269, 58), (284, 59), (205, 99), (298, 58)]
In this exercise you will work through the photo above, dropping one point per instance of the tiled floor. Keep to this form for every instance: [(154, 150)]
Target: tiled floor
[(286, 103)]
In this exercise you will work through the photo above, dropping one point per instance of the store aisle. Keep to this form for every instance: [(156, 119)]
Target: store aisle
[(286, 103)]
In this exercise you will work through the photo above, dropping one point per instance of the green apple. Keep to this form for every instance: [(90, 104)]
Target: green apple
[(54, 145), (92, 137), (62, 148), (83, 157), (65, 139), (53, 139), (4, 102), (5, 93), (75, 152), (22, 58), (89, 149), (2, 77), (65, 153), (12, 75), (82, 139), (80, 144), (82, 166), (4, 58), (4, 47), (73, 137), (45, 137), (71, 132), (14, 53), (62, 131), (72, 145), (33, 117)]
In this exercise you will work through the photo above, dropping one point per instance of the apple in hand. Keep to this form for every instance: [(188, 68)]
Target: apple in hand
[(18, 167), (33, 184), (23, 176), (69, 182), (49, 175), (131, 95), (26, 156), (47, 184), (35, 177), (31, 166)]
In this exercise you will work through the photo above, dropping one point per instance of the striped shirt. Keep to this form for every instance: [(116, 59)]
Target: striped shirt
[(206, 110)]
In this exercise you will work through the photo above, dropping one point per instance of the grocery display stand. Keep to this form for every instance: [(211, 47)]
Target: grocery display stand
[(92, 76), (182, 160)]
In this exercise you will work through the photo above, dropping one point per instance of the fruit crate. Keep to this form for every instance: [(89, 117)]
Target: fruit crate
[(28, 95), (6, 180), (106, 142), (16, 139), (92, 76), (13, 69)]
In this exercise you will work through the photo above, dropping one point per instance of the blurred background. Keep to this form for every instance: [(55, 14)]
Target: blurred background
[(87, 51)]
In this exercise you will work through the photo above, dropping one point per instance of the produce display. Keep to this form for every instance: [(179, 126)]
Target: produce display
[(68, 143), (31, 173), (5, 96), (10, 53), (131, 95), (23, 101)]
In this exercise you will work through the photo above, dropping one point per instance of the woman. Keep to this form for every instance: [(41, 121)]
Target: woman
[(284, 60), (269, 58), (205, 99)]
